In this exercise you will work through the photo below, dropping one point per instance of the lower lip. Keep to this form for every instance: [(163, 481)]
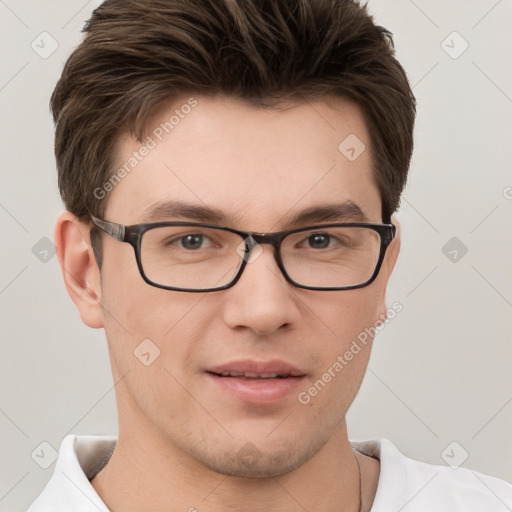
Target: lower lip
[(257, 391)]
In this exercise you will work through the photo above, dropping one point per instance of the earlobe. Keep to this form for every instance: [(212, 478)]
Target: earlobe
[(79, 269)]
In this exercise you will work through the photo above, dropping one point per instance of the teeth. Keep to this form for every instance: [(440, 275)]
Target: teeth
[(252, 375)]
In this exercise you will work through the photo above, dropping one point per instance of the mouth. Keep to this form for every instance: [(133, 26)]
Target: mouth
[(252, 376), (256, 382)]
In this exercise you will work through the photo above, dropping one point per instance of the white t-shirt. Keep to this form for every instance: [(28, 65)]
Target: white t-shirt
[(405, 484)]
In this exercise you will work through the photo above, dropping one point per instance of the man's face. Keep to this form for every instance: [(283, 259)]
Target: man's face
[(260, 168)]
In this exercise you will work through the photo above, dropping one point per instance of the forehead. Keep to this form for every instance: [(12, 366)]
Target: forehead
[(258, 167)]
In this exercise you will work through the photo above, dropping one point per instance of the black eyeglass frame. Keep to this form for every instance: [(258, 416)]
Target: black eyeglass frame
[(133, 233)]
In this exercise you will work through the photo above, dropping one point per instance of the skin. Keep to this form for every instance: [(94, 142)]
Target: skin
[(179, 435)]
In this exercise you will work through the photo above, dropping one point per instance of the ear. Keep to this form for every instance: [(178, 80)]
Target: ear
[(388, 265), (79, 268)]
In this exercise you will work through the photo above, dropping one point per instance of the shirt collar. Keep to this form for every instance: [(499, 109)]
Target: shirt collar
[(69, 487)]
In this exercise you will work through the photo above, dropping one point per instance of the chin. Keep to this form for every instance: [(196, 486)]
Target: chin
[(259, 459)]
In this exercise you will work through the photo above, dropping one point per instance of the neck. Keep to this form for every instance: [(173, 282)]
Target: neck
[(147, 473)]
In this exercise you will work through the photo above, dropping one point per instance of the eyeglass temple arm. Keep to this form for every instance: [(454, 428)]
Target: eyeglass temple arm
[(116, 231), (393, 232)]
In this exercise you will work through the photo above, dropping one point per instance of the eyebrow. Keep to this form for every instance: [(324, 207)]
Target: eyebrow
[(347, 211)]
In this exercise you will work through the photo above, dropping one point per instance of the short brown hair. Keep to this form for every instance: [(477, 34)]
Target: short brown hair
[(138, 54)]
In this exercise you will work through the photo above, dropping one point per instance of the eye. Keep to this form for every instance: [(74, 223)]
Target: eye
[(191, 241), (319, 240)]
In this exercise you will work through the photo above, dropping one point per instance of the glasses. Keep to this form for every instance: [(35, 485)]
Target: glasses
[(196, 257)]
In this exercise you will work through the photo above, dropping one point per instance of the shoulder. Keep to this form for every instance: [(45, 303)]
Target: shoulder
[(456, 488), (410, 485)]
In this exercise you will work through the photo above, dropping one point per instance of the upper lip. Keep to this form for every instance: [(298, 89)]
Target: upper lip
[(253, 367)]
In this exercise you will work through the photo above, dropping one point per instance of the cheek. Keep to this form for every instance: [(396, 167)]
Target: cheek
[(153, 340), (140, 318), (343, 315), (344, 344), (129, 301)]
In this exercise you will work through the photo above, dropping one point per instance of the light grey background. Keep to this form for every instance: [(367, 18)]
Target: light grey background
[(440, 371)]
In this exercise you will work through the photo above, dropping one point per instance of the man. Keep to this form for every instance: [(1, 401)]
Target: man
[(252, 154)]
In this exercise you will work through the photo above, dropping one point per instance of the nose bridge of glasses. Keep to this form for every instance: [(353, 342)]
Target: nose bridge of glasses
[(253, 247), (260, 238)]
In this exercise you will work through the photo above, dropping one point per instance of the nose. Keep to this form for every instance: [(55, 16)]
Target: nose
[(262, 300)]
